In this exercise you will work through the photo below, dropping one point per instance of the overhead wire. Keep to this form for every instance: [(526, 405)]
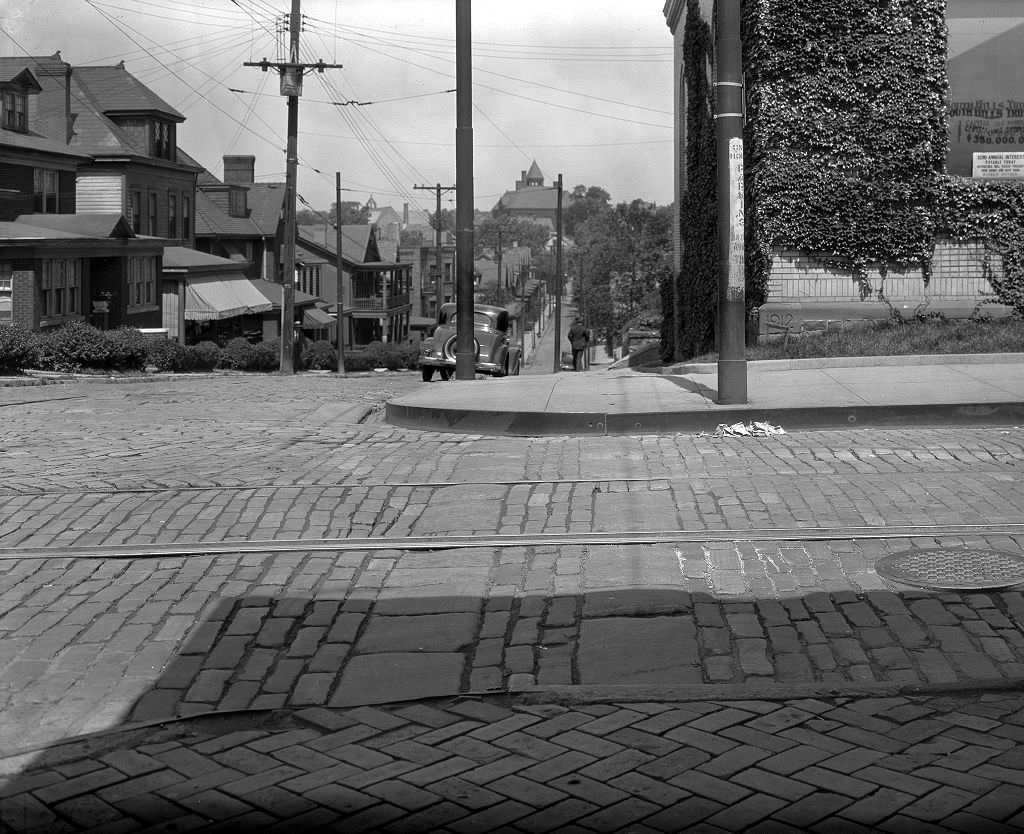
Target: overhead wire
[(212, 104), (443, 55), (528, 98), (353, 119)]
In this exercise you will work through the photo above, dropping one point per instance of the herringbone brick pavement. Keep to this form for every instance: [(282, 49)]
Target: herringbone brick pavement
[(910, 764)]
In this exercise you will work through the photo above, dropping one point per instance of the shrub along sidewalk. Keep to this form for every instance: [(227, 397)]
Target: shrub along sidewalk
[(80, 347)]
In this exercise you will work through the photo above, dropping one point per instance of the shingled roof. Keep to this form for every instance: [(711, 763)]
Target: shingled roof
[(118, 91)]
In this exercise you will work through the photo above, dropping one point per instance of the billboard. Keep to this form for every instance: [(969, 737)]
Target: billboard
[(986, 85)]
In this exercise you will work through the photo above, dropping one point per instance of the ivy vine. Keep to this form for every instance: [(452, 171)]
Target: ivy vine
[(846, 119), (698, 217), (845, 145)]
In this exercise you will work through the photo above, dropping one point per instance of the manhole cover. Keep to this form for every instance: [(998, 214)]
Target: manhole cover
[(953, 569)]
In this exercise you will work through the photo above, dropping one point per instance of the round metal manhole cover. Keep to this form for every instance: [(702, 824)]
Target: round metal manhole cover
[(958, 569)]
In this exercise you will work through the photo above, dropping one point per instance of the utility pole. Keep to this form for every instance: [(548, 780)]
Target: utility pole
[(291, 72), (499, 265), (438, 252), (558, 279), (732, 362), (340, 273), (465, 343)]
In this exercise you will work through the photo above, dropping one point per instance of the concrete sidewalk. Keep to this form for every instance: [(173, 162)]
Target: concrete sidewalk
[(924, 390)]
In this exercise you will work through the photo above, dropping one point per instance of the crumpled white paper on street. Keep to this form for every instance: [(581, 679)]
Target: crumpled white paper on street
[(755, 429)]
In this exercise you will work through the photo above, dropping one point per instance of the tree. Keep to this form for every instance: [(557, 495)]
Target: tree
[(353, 213), (622, 259), (447, 220), (513, 230), (585, 202)]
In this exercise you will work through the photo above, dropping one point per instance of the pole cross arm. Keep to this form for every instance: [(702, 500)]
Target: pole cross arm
[(264, 65)]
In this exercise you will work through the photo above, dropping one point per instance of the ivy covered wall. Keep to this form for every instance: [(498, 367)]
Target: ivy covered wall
[(845, 144)]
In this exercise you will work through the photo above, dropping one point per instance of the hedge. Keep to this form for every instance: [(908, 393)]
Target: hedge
[(79, 347)]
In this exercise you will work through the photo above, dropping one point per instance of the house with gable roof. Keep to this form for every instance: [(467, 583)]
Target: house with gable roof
[(238, 218), (76, 146), (376, 293), (130, 135)]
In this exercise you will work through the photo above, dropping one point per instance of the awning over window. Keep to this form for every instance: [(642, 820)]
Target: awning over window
[(316, 319), (207, 299)]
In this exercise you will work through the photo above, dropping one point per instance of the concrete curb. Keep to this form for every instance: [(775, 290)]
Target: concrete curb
[(770, 365), (535, 424)]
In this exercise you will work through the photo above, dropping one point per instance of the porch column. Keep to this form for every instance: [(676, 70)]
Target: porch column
[(181, 310)]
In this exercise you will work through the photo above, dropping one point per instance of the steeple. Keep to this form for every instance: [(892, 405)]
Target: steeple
[(534, 176)]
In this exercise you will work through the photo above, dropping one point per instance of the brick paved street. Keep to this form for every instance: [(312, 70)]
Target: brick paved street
[(91, 645)]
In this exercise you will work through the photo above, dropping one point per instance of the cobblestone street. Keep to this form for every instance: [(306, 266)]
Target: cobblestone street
[(744, 570)]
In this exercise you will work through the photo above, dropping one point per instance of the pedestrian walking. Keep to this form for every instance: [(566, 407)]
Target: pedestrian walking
[(579, 340)]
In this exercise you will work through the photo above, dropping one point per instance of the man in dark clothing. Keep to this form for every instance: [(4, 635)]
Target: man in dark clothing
[(579, 339)]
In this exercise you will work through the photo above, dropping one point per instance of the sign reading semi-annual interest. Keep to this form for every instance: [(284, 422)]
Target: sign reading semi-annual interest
[(999, 165)]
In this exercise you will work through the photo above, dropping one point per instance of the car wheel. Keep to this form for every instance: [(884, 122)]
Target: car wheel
[(428, 372), (446, 374)]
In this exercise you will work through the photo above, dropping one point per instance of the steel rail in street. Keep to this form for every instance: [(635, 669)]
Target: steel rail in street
[(355, 484), (434, 543)]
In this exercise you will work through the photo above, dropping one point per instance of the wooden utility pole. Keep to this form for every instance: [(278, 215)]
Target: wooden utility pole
[(438, 251), (558, 279), (291, 72), (732, 362), (340, 273), (465, 343), (499, 266)]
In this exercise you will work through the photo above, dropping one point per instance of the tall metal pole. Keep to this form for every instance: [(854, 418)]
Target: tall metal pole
[(586, 305), (558, 279), (732, 363), (341, 274), (465, 343)]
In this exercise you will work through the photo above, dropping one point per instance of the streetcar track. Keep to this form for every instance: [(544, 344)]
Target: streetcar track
[(523, 540), (357, 484)]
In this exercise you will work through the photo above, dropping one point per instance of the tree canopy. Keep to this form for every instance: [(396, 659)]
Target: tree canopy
[(621, 259)]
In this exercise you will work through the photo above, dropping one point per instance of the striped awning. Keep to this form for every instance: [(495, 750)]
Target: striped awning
[(218, 297), (316, 319)]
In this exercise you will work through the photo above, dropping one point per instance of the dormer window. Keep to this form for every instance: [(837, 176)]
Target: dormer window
[(163, 140), (15, 111), (237, 204)]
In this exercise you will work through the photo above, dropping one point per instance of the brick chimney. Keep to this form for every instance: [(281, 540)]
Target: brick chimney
[(52, 116), (239, 170), (405, 215)]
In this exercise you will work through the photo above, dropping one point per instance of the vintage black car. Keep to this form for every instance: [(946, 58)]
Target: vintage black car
[(495, 354)]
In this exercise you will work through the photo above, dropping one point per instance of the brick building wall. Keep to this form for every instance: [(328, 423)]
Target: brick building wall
[(24, 294)]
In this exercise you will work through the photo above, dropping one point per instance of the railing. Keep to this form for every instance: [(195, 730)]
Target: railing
[(377, 303)]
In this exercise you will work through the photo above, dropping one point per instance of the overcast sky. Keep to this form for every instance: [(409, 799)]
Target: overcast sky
[(582, 86)]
